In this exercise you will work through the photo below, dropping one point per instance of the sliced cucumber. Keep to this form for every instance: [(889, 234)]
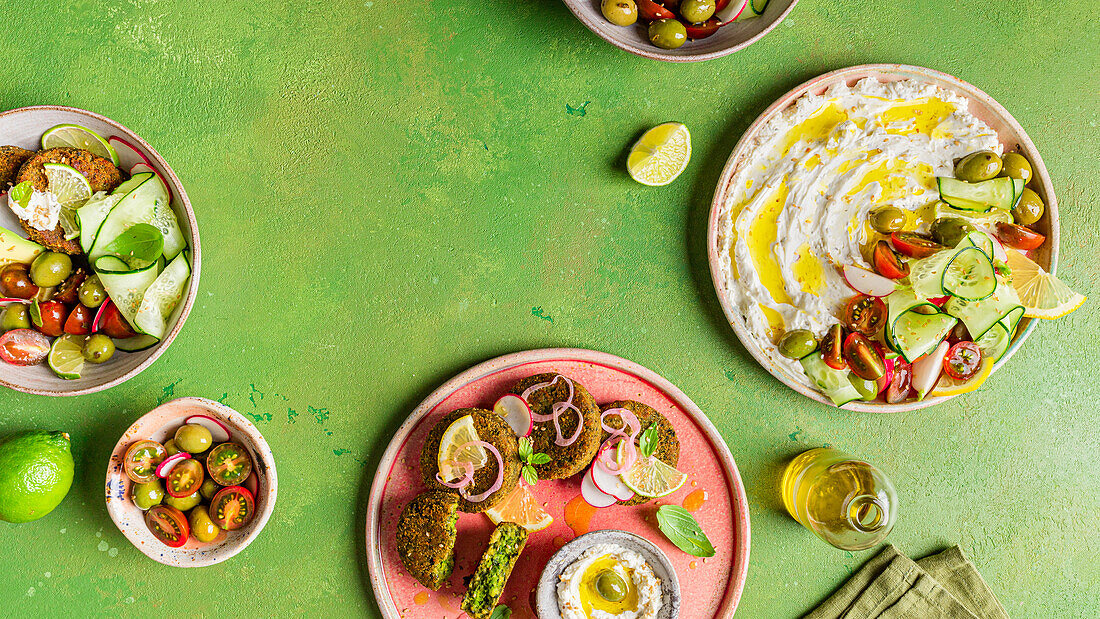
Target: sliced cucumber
[(128, 185), (969, 275), (980, 316), (758, 6), (125, 287), (137, 343), (832, 382), (916, 334), (990, 218), (980, 240), (1017, 190), (926, 274), (995, 342), (993, 193), (162, 297), (90, 216), (147, 204), (897, 304)]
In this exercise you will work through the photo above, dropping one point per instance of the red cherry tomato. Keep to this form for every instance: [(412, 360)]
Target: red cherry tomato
[(15, 281), (232, 508), (914, 245), (168, 524), (229, 464), (69, 290), (832, 348), (53, 318), (898, 389), (651, 11), (80, 320), (141, 460), (865, 314), (114, 325), (1019, 237), (887, 263), (185, 479), (703, 30), (721, 4), (864, 361), (24, 347), (963, 360)]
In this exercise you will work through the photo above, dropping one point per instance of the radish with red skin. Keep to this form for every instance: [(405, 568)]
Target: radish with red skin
[(888, 376), (122, 146), (927, 369), (252, 485), (592, 494), (730, 11), (867, 282), (517, 413), (218, 432), (164, 468), (610, 483)]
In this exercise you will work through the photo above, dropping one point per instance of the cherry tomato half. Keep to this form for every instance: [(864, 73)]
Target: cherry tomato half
[(865, 314), (52, 318), (832, 345), (898, 389), (1019, 237), (229, 464), (721, 4), (886, 262), (864, 361), (702, 30), (24, 347), (114, 325), (15, 281), (232, 508), (69, 290), (185, 479), (650, 11), (914, 245), (963, 360), (80, 320), (168, 524), (141, 460)]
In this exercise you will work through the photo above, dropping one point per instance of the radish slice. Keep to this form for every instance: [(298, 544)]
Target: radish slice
[(218, 432), (99, 314), (999, 252), (14, 300), (926, 370), (939, 301), (127, 152), (867, 282), (593, 495), (732, 11), (884, 380), (609, 483), (517, 413), (164, 468)]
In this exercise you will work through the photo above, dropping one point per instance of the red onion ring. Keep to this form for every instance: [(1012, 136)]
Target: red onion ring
[(556, 410), (477, 498), (630, 452), (466, 479)]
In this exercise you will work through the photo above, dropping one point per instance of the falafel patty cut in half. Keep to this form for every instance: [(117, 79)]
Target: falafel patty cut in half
[(565, 460), (426, 537), (11, 159), (668, 446), (490, 428), (505, 545)]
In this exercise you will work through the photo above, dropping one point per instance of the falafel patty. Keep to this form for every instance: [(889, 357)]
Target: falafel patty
[(505, 545), (492, 429), (668, 446), (568, 460), (102, 175), (426, 537), (11, 159)]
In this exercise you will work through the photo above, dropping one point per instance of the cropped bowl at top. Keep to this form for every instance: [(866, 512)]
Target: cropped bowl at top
[(158, 425), (635, 39), (24, 127), (1011, 136)]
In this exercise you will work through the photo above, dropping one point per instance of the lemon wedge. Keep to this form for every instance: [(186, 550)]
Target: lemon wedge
[(451, 449), (520, 507), (660, 155), (1042, 294), (948, 385)]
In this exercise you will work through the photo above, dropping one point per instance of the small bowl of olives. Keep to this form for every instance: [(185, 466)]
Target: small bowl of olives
[(681, 30), (191, 483)]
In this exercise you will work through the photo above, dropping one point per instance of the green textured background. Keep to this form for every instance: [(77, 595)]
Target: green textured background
[(392, 191)]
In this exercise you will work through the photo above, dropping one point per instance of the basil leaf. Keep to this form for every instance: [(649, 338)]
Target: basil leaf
[(525, 448), (529, 475), (21, 193), (139, 246), (539, 458), (647, 443), (501, 612), (680, 527)]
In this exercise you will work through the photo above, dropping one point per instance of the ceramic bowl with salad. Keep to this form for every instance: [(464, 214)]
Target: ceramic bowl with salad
[(99, 252)]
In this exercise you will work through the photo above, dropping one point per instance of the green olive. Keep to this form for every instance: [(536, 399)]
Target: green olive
[(92, 294), (868, 389), (209, 488), (50, 269), (1017, 166), (797, 343), (620, 12), (171, 448), (697, 11), (15, 316), (193, 438), (980, 166), (610, 586), (202, 527), (667, 33), (1029, 208), (98, 348), (183, 503), (148, 494), (949, 231), (887, 219)]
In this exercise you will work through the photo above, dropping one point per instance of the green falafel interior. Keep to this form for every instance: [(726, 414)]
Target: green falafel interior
[(505, 545)]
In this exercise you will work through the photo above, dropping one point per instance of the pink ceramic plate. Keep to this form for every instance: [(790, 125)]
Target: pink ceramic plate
[(1012, 136), (710, 587)]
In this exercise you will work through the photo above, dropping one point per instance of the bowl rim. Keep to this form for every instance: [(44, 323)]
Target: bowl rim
[(195, 249), (657, 53), (263, 451), (740, 154)]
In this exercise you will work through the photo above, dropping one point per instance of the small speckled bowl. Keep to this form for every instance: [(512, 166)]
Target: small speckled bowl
[(546, 595), (159, 424)]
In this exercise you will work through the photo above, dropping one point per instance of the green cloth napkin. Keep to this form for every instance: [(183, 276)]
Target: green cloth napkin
[(892, 586)]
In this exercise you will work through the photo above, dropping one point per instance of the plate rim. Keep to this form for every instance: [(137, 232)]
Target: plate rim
[(740, 560), (739, 155)]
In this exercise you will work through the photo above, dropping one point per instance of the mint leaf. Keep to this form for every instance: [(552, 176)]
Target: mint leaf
[(501, 612), (539, 458), (529, 475), (525, 448), (680, 527), (647, 442)]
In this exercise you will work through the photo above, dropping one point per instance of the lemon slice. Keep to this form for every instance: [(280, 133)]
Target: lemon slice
[(520, 507), (660, 155), (1042, 294), (649, 477), (67, 356), (460, 432), (948, 385), (75, 136)]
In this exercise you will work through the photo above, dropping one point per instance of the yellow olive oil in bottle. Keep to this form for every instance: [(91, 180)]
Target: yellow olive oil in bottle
[(843, 500)]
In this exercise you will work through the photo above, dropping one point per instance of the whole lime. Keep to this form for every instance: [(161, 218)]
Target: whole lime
[(36, 471)]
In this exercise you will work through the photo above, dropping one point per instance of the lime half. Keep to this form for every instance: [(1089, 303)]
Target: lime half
[(660, 155), (67, 356), (75, 136), (72, 191), (649, 477)]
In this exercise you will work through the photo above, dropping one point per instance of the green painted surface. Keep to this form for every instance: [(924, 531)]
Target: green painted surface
[(390, 192)]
